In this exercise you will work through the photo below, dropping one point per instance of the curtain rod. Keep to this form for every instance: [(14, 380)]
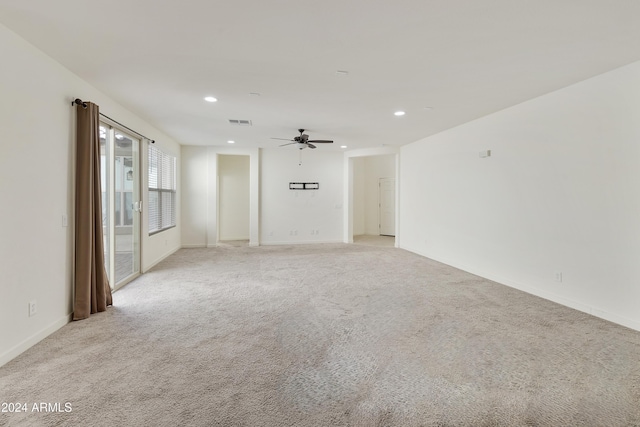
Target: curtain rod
[(79, 101)]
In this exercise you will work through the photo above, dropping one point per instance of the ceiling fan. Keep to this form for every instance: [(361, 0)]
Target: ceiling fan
[(303, 141)]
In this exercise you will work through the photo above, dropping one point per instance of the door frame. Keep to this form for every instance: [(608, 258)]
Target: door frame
[(380, 181)]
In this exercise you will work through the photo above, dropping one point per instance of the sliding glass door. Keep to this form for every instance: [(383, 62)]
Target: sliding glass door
[(121, 204)]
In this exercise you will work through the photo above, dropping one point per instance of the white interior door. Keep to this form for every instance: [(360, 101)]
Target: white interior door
[(387, 206)]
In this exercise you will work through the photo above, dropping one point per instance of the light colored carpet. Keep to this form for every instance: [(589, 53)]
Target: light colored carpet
[(327, 335)]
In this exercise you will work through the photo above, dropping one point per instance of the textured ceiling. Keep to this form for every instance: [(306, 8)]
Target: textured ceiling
[(462, 59)]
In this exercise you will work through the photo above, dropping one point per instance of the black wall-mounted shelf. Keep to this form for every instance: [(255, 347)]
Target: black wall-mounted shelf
[(304, 186)]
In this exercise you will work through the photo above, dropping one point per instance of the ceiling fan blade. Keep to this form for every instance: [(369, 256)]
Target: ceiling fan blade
[(284, 139), (311, 145), (287, 144), (321, 141)]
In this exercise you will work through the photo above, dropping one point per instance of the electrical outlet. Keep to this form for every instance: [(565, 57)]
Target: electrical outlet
[(64, 220), (33, 308), (559, 277)]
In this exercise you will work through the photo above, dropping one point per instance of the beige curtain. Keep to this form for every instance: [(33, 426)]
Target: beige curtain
[(92, 291)]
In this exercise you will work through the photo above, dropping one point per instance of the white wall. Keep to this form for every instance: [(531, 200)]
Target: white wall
[(359, 201), (559, 194), (195, 184), (233, 207), (275, 211), (301, 216), (37, 158)]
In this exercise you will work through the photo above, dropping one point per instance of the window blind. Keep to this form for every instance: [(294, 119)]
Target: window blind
[(162, 191)]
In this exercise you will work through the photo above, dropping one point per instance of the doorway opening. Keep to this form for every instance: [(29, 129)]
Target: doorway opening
[(233, 198), (373, 201)]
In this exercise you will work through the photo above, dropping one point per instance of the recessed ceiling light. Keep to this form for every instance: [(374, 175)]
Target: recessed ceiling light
[(210, 99), (254, 94), (231, 142), (428, 108), (399, 113), (342, 73), (343, 146)]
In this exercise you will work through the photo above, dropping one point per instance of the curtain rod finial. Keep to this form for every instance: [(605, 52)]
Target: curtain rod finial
[(79, 101)]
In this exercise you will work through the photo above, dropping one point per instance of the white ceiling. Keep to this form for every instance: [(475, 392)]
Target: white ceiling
[(462, 58)]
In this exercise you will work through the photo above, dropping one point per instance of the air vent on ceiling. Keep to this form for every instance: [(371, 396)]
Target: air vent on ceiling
[(240, 122)]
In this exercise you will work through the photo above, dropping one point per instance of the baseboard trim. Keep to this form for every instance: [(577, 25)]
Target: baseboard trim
[(17, 350), (567, 302), (162, 258), (304, 242), (277, 243)]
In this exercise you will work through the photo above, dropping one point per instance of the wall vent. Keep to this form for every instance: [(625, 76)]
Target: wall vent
[(237, 122)]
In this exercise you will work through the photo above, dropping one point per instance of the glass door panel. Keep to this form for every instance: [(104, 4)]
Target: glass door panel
[(127, 242), (121, 190)]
